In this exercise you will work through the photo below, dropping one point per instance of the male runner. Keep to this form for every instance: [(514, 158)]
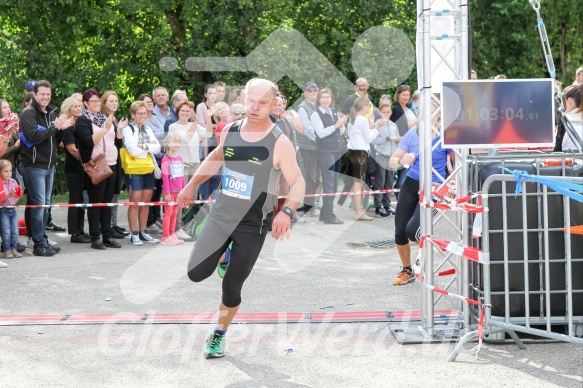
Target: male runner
[(254, 155)]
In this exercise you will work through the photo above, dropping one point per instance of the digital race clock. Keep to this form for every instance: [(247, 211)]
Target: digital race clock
[(495, 113)]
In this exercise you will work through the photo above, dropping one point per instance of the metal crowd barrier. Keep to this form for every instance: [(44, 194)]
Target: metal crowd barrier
[(555, 305), (534, 282)]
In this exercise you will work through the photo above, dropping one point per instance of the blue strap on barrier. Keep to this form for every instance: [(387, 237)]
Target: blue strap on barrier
[(559, 186)]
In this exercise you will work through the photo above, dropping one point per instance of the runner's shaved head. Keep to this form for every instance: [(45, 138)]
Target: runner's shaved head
[(262, 83)]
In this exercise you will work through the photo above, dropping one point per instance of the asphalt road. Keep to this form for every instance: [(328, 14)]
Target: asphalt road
[(317, 271)]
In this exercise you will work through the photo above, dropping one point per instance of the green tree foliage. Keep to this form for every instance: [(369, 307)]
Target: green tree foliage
[(506, 38), (117, 44)]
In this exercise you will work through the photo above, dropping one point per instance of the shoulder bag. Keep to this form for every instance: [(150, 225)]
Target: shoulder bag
[(97, 168), (133, 164)]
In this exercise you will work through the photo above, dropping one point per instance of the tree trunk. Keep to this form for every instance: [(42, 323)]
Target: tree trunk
[(563, 51), (176, 26)]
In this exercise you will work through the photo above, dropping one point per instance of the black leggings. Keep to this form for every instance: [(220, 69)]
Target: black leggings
[(211, 244), (407, 221)]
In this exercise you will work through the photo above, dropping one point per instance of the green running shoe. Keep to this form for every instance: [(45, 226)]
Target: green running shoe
[(215, 346), (224, 266)]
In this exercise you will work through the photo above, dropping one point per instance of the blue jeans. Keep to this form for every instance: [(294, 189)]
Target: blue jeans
[(208, 188), (9, 228), (39, 185), (329, 165)]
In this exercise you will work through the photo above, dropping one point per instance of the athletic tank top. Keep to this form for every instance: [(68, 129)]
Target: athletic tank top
[(248, 183)]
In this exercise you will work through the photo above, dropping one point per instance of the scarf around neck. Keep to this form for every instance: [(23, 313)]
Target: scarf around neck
[(96, 118)]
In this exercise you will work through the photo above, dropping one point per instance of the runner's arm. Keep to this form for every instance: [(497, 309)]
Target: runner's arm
[(285, 160), (206, 170)]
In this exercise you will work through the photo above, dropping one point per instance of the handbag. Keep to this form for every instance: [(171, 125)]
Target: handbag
[(134, 165), (97, 168)]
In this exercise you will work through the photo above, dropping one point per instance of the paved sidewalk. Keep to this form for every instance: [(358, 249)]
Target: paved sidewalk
[(316, 271)]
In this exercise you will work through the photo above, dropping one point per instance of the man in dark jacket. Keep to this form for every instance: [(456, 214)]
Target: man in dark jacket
[(40, 135)]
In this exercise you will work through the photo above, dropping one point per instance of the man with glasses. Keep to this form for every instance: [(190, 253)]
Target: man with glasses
[(361, 90), (43, 133), (361, 87), (307, 143), (237, 111)]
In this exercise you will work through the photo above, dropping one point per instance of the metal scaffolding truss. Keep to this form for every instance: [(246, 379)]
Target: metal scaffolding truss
[(442, 54)]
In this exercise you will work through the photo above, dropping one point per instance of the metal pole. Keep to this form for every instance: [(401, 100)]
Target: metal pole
[(463, 180), (425, 152)]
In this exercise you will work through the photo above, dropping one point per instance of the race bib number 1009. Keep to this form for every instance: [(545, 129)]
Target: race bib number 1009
[(235, 184)]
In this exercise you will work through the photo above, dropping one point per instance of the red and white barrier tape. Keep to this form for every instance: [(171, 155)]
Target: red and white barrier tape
[(464, 299), (447, 272), (161, 203), (470, 253), (464, 207), (454, 204), (88, 205)]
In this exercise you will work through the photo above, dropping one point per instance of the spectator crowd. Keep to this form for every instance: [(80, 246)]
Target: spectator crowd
[(173, 135)]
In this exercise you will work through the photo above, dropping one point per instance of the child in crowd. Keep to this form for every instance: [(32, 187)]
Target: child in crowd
[(8, 216), (385, 145), (172, 183)]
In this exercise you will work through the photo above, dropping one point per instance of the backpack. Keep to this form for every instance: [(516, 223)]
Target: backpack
[(194, 218)]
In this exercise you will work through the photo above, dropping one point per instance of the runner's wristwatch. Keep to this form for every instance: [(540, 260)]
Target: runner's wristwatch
[(287, 211)]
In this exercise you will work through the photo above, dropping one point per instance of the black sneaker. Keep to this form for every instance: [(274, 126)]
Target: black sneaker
[(44, 251), (80, 238), (381, 212), (111, 243), (98, 245), (120, 230), (55, 249), (55, 228), (115, 234), (20, 248)]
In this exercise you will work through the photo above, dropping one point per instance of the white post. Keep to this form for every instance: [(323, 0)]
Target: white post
[(425, 152)]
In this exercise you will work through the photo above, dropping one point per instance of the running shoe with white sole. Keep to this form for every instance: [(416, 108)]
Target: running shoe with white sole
[(404, 277), (176, 239), (215, 346), (181, 234), (168, 240), (145, 237), (135, 240)]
